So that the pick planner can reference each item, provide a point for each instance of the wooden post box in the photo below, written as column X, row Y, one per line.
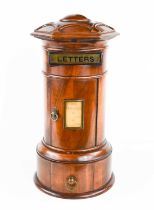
column 74, row 157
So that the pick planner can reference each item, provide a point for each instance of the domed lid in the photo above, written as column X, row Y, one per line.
column 75, row 27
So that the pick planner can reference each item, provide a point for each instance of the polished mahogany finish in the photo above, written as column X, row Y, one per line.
column 74, row 161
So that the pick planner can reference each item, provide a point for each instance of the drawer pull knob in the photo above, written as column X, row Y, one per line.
column 54, row 114
column 71, row 183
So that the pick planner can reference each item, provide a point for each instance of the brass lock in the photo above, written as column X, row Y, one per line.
column 71, row 183
column 54, row 114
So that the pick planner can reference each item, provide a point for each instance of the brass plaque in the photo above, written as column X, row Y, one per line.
column 73, row 110
column 75, row 58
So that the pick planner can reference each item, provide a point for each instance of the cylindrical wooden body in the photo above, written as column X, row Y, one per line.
column 83, row 82
column 74, row 158
column 82, row 153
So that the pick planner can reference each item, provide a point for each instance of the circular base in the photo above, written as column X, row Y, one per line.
column 99, row 191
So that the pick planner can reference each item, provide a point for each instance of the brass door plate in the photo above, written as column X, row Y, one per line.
column 74, row 58
column 73, row 113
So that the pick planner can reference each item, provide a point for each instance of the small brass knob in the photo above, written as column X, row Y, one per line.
column 71, row 183
column 54, row 114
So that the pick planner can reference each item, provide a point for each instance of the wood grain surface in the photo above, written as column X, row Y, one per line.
column 74, row 160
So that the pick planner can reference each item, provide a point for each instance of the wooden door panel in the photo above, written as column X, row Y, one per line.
column 73, row 89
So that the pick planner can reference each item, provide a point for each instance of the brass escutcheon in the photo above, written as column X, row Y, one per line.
column 54, row 114
column 71, row 183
